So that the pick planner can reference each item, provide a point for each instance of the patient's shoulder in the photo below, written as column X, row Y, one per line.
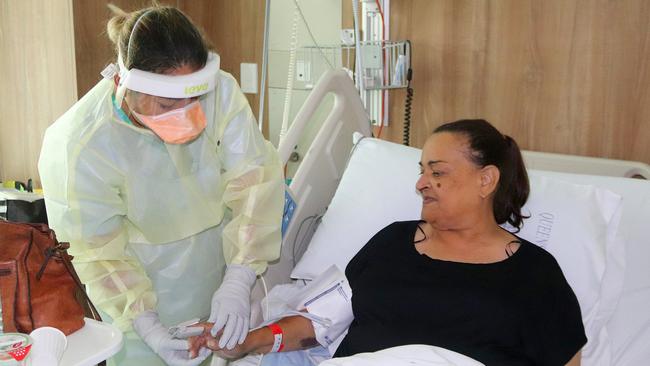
column 540, row 265
column 392, row 236
column 400, row 227
column 538, row 254
column 394, row 233
column 384, row 244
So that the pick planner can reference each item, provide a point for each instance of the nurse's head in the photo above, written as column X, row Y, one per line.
column 160, row 40
column 157, row 39
column 471, row 173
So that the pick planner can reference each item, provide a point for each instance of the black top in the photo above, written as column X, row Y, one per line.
column 519, row 311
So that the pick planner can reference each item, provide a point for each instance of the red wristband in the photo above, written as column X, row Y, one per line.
column 278, row 345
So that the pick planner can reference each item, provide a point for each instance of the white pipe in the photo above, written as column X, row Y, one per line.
column 386, row 10
column 290, row 73
column 358, row 68
column 265, row 62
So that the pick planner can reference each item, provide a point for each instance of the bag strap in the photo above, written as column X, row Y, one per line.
column 61, row 250
column 68, row 265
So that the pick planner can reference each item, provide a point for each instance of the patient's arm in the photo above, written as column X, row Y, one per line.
column 575, row 361
column 298, row 333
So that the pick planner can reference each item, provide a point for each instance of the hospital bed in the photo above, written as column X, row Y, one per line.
column 345, row 169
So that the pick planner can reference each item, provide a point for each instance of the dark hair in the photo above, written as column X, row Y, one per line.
column 163, row 39
column 489, row 147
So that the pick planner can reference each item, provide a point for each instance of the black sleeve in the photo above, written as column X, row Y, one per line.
column 358, row 262
column 560, row 332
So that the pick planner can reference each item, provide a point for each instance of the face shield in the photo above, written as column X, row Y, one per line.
column 169, row 105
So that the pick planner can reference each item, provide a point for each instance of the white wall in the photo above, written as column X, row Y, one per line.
column 324, row 19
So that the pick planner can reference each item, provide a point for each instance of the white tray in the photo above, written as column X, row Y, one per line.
column 93, row 343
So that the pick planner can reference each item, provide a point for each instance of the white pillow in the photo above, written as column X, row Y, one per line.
column 378, row 188
column 629, row 326
column 578, row 224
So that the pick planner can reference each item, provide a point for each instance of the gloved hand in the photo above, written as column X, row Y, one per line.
column 173, row 351
column 231, row 305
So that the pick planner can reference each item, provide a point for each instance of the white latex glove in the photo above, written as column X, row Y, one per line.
column 173, row 351
column 231, row 305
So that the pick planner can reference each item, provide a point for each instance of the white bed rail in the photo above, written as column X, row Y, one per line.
column 347, row 108
column 320, row 171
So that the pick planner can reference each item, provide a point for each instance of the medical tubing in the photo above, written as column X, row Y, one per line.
column 265, row 62
column 266, row 308
column 314, row 218
column 292, row 61
column 266, row 293
column 311, row 35
column 407, row 109
column 311, row 228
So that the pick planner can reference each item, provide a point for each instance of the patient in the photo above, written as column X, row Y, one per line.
column 454, row 279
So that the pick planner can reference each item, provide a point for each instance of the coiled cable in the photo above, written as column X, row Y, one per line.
column 407, row 108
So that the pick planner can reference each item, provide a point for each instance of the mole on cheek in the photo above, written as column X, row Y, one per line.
column 438, row 185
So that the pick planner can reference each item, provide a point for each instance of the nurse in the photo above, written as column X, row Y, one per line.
column 169, row 195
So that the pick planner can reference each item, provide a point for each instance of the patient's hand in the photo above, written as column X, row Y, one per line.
column 200, row 341
column 212, row 343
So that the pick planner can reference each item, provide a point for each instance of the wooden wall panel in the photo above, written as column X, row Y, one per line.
column 236, row 31
column 234, row 28
column 559, row 76
column 38, row 80
column 93, row 48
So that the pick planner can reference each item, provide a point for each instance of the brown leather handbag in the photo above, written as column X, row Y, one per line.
column 38, row 285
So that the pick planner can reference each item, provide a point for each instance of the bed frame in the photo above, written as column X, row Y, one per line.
column 319, row 174
column 317, row 178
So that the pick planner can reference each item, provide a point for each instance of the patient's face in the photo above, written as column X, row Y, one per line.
column 449, row 183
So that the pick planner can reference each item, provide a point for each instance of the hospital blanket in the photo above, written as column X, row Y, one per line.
column 279, row 303
column 409, row 355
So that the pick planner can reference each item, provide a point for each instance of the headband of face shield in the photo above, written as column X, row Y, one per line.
column 168, row 87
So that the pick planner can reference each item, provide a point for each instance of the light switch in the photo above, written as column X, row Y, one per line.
column 248, row 76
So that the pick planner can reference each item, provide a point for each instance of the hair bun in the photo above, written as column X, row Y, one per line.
column 115, row 25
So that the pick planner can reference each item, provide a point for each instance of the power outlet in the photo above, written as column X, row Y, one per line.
column 347, row 37
column 303, row 70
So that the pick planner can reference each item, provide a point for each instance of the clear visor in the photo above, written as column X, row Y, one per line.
column 153, row 105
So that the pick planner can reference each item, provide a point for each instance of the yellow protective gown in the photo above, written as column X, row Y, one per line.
column 152, row 225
